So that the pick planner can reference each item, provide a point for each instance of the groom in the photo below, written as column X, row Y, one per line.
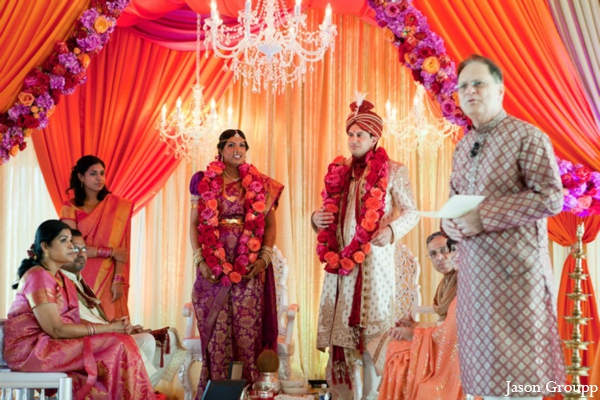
column 368, row 204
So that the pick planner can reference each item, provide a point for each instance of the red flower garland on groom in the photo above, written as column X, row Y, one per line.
column 371, row 210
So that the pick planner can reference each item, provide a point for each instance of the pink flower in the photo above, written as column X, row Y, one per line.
column 584, row 202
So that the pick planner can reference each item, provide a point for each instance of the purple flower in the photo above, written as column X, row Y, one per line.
column 225, row 281
column 570, row 202
column 57, row 82
column 244, row 239
column 578, row 190
column 90, row 43
column 595, row 177
column 70, row 61
column 17, row 110
column 43, row 118
column 208, row 195
column 392, row 10
column 88, row 18
column 44, row 101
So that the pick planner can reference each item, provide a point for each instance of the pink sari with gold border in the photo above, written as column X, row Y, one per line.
column 108, row 225
column 103, row 366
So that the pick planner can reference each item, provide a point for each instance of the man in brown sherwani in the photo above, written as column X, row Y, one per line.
column 508, row 335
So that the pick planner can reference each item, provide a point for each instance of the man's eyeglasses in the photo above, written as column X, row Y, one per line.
column 474, row 84
column 79, row 249
column 442, row 251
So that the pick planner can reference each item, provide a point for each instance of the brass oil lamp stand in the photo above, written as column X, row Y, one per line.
column 576, row 370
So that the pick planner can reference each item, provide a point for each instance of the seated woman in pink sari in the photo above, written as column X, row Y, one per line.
column 104, row 220
column 421, row 362
column 43, row 332
column 232, row 231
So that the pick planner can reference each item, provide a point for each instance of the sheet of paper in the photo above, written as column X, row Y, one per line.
column 455, row 207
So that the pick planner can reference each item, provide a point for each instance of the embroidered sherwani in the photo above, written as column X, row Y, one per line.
column 507, row 327
column 378, row 269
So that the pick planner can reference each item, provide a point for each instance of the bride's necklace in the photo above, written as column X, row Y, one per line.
column 232, row 179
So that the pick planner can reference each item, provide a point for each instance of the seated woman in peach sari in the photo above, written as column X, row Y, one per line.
column 421, row 362
column 43, row 332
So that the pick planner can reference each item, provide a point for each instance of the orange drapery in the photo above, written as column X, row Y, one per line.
column 28, row 32
column 542, row 85
column 113, row 116
column 562, row 230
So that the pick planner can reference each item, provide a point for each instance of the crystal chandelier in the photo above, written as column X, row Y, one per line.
column 269, row 46
column 189, row 134
column 420, row 130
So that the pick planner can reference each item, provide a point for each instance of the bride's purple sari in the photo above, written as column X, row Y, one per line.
column 237, row 322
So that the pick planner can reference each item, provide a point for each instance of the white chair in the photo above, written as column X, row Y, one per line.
column 22, row 384
column 286, row 317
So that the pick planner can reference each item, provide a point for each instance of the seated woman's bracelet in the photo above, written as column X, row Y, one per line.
column 91, row 329
column 104, row 252
column 119, row 278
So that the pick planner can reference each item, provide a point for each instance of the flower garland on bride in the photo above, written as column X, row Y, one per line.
column 371, row 210
column 246, row 252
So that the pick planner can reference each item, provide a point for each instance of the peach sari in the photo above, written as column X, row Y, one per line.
column 425, row 368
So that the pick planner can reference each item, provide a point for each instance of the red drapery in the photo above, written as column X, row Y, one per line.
column 562, row 230
column 113, row 116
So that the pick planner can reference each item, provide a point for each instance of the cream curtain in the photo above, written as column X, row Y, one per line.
column 579, row 27
column 25, row 205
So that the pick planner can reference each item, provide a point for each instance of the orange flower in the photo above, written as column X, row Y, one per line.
column 76, row 50
column 259, row 206
column 372, row 215
column 389, row 35
column 372, row 203
column 26, row 132
column 332, row 208
column 382, row 183
column 247, row 232
column 26, row 98
column 212, row 204
column 35, row 109
column 250, row 195
column 376, row 192
column 247, row 181
column 252, row 257
column 84, row 60
column 333, row 260
column 431, row 65
column 235, row 277
column 227, row 268
column 214, row 221
column 50, row 111
column 347, row 264
column 359, row 257
column 455, row 97
column 366, row 247
column 216, row 168
column 368, row 225
column 254, row 244
column 250, row 217
column 101, row 24
column 14, row 150
column 220, row 253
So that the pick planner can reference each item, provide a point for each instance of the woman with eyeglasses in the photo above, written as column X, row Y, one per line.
column 104, row 219
column 421, row 361
column 44, row 333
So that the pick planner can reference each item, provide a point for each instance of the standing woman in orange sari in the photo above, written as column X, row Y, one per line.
column 105, row 222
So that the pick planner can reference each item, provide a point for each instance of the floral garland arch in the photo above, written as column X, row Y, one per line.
column 60, row 74
column 423, row 51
